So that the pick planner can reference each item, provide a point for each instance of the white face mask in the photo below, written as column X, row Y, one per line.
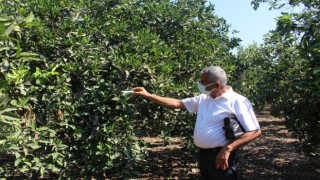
column 203, row 90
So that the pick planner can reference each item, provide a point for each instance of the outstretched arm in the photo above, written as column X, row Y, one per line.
column 165, row 101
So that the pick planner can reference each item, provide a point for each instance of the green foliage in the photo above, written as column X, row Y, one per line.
column 252, row 66
column 77, row 58
column 293, row 52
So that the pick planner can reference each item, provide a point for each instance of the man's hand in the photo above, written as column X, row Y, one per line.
column 222, row 158
column 141, row 91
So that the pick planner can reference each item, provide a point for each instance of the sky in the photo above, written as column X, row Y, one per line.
column 251, row 24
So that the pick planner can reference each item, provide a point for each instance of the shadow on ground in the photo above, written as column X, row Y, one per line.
column 272, row 156
column 168, row 162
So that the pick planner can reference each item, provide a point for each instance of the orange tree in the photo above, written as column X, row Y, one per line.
column 75, row 122
column 252, row 65
column 291, row 80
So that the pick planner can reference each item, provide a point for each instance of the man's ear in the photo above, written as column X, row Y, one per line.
column 213, row 86
column 217, row 85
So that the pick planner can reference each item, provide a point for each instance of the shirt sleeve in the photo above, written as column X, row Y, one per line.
column 245, row 114
column 191, row 104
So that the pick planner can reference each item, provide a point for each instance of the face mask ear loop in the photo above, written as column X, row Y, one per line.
column 203, row 90
column 205, row 87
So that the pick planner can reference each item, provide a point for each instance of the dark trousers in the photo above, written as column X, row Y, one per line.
column 207, row 165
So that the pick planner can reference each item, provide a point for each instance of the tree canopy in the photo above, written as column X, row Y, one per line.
column 65, row 65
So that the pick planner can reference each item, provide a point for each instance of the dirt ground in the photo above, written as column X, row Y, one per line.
column 271, row 157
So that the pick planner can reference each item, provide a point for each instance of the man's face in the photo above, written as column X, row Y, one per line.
column 204, row 80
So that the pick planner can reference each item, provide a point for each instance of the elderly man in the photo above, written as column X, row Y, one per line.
column 217, row 155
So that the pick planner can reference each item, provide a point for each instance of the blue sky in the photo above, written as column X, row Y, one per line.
column 251, row 24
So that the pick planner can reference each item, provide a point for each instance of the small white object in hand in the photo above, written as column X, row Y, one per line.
column 127, row 92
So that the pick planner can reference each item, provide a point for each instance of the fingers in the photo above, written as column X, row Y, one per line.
column 222, row 160
column 140, row 91
column 136, row 89
column 223, row 164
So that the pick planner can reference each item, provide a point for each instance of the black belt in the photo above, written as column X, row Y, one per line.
column 208, row 150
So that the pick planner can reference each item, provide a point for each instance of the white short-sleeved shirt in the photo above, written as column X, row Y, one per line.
column 208, row 131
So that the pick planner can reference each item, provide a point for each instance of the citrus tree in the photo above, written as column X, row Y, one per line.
column 80, row 56
column 293, row 48
column 252, row 70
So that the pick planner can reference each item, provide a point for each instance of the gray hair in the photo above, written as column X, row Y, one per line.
column 216, row 74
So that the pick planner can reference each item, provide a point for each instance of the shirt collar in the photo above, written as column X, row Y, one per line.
column 227, row 95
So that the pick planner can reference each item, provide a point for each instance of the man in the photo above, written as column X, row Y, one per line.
column 217, row 155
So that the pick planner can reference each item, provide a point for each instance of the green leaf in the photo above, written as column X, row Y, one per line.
column 4, row 48
column 12, row 123
column 16, row 148
column 33, row 24
column 42, row 129
column 36, row 160
column 2, row 19
column 28, row 54
column 15, row 135
column 55, row 168
column 34, row 145
column 24, row 59
column 2, row 142
column 17, row 154
column 32, row 125
column 55, row 155
column 44, row 141
column 52, row 132
column 16, row 28
column 29, row 18
column 63, row 124
column 17, row 162
column 25, row 150
column 116, row 99
column 42, row 170
column 9, row 116
column 3, row 84
column 2, row 29
column 8, row 30
column 23, row 101
column 28, row 164
column 62, row 146
column 24, row 169
column 316, row 71
column 7, row 110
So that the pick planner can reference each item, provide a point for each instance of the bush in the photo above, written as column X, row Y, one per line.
column 84, row 53
column 292, row 78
